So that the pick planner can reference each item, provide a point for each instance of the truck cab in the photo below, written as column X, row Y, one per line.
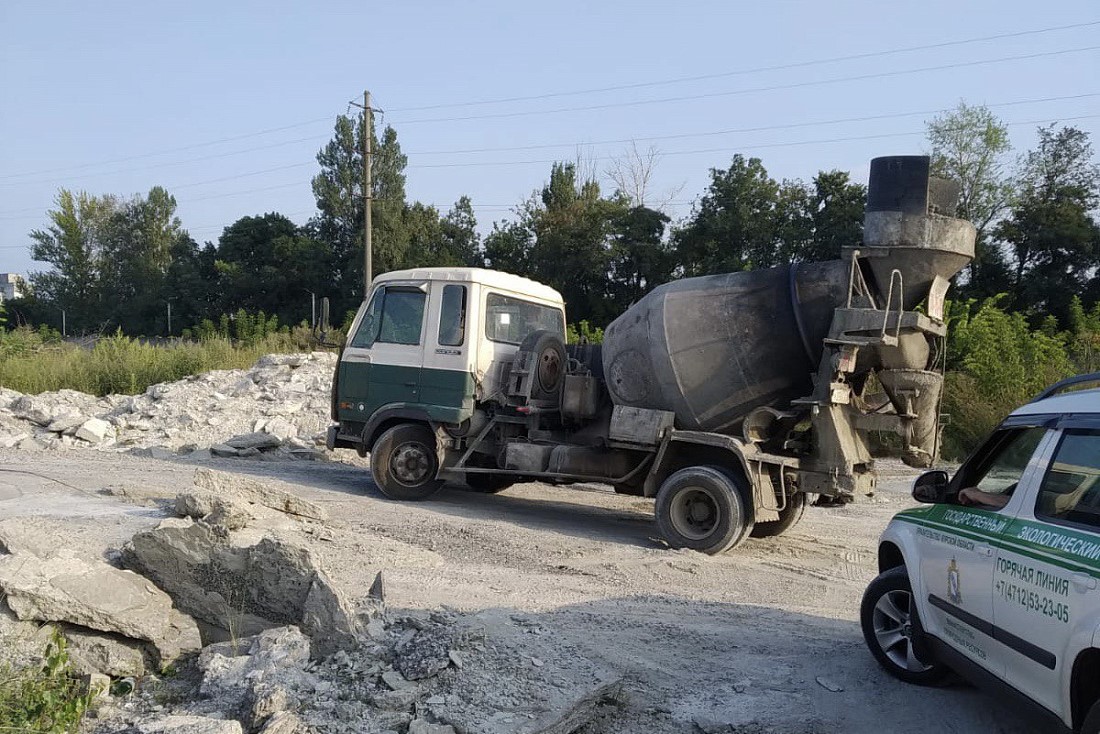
column 429, row 344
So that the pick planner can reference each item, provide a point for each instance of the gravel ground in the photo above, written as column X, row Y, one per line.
column 762, row 639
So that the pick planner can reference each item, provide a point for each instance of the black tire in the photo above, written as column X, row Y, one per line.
column 549, row 365
column 703, row 508
column 788, row 518
column 403, row 463
column 1091, row 724
column 489, row 483
column 886, row 616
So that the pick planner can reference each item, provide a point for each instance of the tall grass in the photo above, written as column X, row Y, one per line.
column 121, row 365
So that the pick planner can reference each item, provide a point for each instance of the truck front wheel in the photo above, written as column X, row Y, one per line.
column 702, row 508
column 403, row 463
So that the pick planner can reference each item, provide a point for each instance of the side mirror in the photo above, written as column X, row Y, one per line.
column 931, row 487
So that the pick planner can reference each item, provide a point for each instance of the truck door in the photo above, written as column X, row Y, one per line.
column 447, row 379
column 958, row 553
column 382, row 361
column 1046, row 603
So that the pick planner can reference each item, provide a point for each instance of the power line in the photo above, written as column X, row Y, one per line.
column 751, row 70
column 738, row 147
column 727, row 131
column 543, row 146
column 749, row 90
column 552, row 95
column 193, row 146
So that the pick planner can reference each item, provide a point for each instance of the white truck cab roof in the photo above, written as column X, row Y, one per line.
column 490, row 278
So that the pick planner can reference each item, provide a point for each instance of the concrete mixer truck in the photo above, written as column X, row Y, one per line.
column 728, row 398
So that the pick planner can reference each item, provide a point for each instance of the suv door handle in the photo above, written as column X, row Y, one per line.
column 410, row 384
column 1083, row 582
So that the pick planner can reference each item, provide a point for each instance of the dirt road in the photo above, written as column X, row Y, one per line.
column 762, row 639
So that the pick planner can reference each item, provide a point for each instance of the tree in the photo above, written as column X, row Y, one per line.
column 632, row 174
column 338, row 189
column 72, row 245
column 461, row 244
column 836, row 211
column 640, row 258
column 970, row 145
column 267, row 263
column 734, row 225
column 136, row 252
column 1051, row 231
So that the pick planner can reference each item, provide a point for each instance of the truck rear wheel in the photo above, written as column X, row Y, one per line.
column 788, row 518
column 403, row 463
column 702, row 508
column 489, row 483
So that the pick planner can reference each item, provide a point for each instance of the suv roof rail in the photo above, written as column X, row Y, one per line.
column 1063, row 385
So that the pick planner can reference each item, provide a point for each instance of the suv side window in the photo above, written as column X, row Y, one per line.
column 998, row 469
column 1070, row 491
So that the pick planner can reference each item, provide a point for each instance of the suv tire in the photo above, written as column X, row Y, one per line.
column 886, row 615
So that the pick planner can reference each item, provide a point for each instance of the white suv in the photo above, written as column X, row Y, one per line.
column 996, row 578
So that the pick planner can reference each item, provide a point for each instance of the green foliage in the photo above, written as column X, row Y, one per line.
column 748, row 220
column 119, row 364
column 46, row 700
column 582, row 330
column 997, row 363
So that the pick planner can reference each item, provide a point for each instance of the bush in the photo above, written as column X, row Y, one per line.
column 574, row 333
column 46, row 700
column 121, row 365
column 997, row 362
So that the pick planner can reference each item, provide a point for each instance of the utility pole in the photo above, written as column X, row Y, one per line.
column 63, row 323
column 368, row 198
column 169, row 318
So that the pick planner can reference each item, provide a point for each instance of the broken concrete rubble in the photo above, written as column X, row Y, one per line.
column 266, row 493
column 190, row 725
column 201, row 410
column 243, row 590
column 105, row 653
column 93, row 430
column 99, row 597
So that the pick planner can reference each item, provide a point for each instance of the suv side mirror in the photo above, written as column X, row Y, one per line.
column 931, row 487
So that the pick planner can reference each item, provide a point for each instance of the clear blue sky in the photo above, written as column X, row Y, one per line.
column 88, row 90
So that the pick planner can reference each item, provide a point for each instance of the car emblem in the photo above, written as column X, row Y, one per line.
column 954, row 590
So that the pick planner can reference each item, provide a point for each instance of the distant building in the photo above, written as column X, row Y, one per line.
column 11, row 286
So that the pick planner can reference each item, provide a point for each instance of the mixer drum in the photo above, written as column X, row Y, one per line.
column 711, row 349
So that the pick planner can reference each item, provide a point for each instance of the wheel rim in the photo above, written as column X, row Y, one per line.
column 411, row 464
column 893, row 630
column 549, row 370
column 694, row 513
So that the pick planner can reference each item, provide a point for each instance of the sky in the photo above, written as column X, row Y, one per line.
column 226, row 104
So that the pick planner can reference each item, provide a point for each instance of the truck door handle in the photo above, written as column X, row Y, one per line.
column 410, row 384
column 1083, row 582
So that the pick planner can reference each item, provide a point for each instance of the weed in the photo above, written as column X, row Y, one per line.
column 46, row 700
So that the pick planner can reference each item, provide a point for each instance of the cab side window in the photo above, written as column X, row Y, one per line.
column 452, row 316
column 368, row 327
column 998, row 469
column 394, row 316
column 1070, row 491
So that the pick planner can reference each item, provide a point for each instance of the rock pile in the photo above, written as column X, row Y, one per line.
column 278, row 407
